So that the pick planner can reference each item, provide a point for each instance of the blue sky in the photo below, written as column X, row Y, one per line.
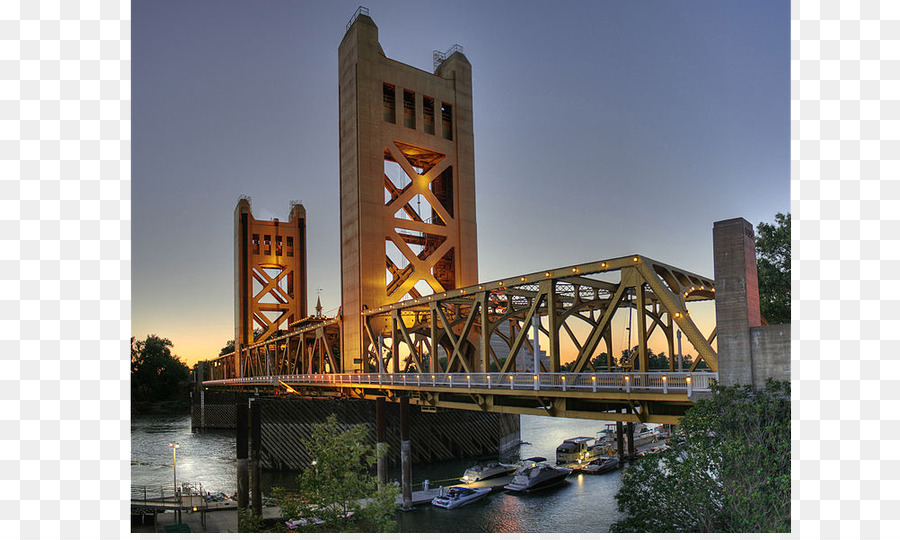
column 601, row 129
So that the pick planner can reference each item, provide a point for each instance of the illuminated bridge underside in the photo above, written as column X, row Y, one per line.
column 453, row 335
column 648, row 397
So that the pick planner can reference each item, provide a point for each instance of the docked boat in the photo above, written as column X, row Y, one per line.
column 579, row 450
column 489, row 470
column 459, row 496
column 537, row 476
column 642, row 434
column 601, row 466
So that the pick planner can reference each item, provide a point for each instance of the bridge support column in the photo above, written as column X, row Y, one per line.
column 405, row 454
column 243, row 471
column 620, row 443
column 381, row 445
column 255, row 444
column 630, row 431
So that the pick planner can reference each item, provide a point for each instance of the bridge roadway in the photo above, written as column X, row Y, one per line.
column 659, row 397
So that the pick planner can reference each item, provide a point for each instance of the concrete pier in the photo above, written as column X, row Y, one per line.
column 381, row 445
column 620, row 442
column 629, row 431
column 405, row 454
column 255, row 447
column 243, row 470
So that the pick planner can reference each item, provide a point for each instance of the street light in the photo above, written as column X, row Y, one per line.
column 174, row 446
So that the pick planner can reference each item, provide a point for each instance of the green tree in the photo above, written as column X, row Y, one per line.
column 156, row 374
column 228, row 348
column 339, row 484
column 773, row 263
column 732, row 472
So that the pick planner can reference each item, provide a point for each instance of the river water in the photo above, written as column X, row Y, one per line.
column 585, row 503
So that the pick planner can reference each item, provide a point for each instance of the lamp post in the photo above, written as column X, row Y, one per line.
column 174, row 446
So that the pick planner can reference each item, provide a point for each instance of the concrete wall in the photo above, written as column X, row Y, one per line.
column 435, row 437
column 770, row 348
column 286, row 423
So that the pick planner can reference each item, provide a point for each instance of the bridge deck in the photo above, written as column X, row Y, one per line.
column 644, row 396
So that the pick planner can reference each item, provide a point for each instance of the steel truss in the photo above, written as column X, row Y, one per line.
column 464, row 324
column 311, row 349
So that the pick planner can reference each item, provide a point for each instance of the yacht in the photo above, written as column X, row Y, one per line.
column 459, row 496
column 537, row 476
column 578, row 450
column 490, row 470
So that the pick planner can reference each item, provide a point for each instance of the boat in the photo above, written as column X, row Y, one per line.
column 489, row 470
column 578, row 450
column 601, row 466
column 642, row 434
column 459, row 496
column 537, row 476
column 526, row 464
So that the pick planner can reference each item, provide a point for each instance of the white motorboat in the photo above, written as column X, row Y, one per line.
column 489, row 470
column 601, row 466
column 459, row 496
column 537, row 476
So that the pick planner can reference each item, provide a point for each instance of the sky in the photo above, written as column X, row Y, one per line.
column 602, row 129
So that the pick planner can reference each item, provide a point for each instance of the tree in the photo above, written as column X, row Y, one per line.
column 338, row 482
column 156, row 374
column 228, row 348
column 731, row 473
column 773, row 266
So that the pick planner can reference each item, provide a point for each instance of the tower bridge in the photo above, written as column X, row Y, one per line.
column 416, row 327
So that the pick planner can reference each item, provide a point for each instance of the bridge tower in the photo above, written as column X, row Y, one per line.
column 407, row 179
column 269, row 274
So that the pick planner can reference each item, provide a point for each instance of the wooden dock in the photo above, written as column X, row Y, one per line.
column 425, row 496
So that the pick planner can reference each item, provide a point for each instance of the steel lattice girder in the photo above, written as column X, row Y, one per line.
column 456, row 319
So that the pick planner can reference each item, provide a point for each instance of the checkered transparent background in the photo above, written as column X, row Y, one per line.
column 65, row 269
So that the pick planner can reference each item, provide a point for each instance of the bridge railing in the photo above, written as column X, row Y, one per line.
column 658, row 381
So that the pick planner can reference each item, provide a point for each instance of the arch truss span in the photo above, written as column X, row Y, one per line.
column 578, row 313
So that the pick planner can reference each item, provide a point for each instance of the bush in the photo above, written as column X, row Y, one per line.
column 732, row 472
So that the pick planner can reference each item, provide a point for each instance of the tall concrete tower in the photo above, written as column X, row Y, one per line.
column 407, row 179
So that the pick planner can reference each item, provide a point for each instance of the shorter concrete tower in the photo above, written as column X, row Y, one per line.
column 737, row 298
column 269, row 274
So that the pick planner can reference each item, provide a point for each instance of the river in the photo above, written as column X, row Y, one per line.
column 584, row 504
